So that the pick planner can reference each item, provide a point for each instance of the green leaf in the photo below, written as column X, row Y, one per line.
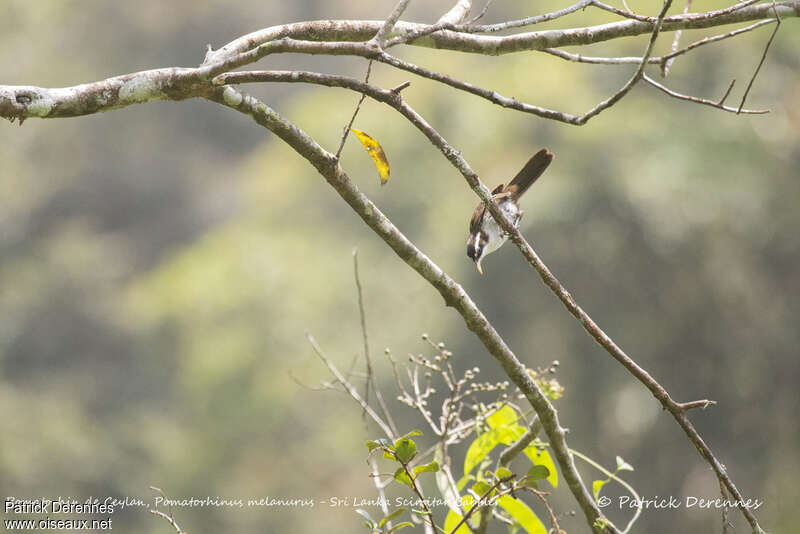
column 522, row 513
column 412, row 433
column 622, row 465
column 370, row 523
column 542, row 457
column 478, row 450
column 405, row 449
column 373, row 444
column 401, row 476
column 391, row 516
column 597, row 485
column 601, row 523
column 505, row 416
column 431, row 467
column 537, row 472
column 481, row 488
column 503, row 472
column 509, row 434
column 452, row 520
column 401, row 525
column 487, row 441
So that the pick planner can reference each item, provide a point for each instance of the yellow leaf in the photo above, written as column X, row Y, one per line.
column 376, row 153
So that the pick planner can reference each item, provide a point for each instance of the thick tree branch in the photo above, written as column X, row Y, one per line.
column 349, row 38
column 23, row 101
column 354, row 30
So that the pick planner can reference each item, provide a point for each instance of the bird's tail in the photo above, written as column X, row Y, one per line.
column 529, row 173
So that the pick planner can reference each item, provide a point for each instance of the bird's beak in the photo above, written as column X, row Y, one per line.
column 478, row 266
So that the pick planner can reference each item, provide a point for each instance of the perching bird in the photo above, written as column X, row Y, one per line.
column 485, row 235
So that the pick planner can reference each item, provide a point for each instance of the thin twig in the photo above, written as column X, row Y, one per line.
column 553, row 520
column 715, row 39
column 617, row 479
column 349, row 125
column 763, row 57
column 725, row 520
column 627, row 13
column 480, row 15
column 705, row 102
column 675, row 42
column 480, row 503
column 527, row 21
column 579, row 58
column 379, row 487
column 616, row 97
column 370, row 380
column 350, row 389
column 169, row 517
column 727, row 92
column 691, row 405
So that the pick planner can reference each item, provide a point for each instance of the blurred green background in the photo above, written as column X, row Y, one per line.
column 160, row 265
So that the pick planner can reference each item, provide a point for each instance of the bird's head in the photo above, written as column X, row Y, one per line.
column 476, row 248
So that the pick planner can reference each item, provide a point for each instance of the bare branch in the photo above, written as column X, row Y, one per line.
column 479, row 503
column 727, row 92
column 511, row 452
column 170, row 519
column 349, row 387
column 386, row 29
column 553, row 520
column 457, row 13
column 480, row 15
column 703, row 404
column 616, row 97
column 346, row 131
column 579, row 58
column 627, row 13
column 527, row 21
column 665, row 66
column 354, row 30
column 20, row 102
column 716, row 38
column 763, row 57
column 370, row 380
column 718, row 105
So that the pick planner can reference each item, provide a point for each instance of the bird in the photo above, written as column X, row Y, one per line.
column 485, row 234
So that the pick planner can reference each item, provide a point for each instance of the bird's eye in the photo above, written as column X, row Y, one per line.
column 470, row 250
